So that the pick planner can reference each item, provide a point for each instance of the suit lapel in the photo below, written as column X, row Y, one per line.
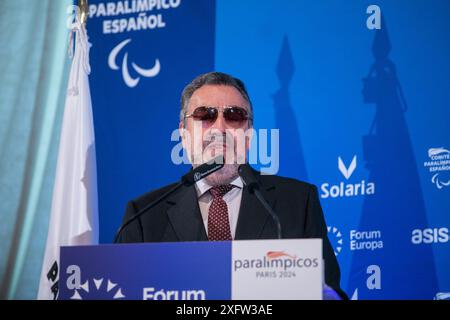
column 186, row 220
column 185, row 217
column 253, row 217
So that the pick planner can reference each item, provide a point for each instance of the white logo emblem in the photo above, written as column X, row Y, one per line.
column 439, row 162
column 347, row 172
column 74, row 283
column 347, row 188
column 355, row 295
column 337, row 235
column 197, row 176
column 127, row 78
column 116, row 294
column 442, row 296
column 439, row 184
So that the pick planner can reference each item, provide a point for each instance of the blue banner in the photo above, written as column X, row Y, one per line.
column 360, row 95
column 165, row 271
column 143, row 54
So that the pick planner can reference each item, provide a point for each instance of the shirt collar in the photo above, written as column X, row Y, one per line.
column 202, row 186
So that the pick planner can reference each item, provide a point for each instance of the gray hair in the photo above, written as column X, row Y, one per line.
column 213, row 78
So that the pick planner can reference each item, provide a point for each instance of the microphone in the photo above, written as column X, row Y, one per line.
column 188, row 179
column 203, row 170
column 249, row 179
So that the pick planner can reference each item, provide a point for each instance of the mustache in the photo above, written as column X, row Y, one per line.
column 217, row 140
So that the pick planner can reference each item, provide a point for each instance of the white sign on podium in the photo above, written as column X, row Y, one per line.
column 277, row 269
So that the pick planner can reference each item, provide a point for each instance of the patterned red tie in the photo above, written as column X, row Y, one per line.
column 218, row 222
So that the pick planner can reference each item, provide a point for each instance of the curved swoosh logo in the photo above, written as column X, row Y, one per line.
column 442, row 296
column 127, row 78
column 437, row 151
column 439, row 184
column 152, row 72
column 279, row 254
column 114, row 52
column 126, row 75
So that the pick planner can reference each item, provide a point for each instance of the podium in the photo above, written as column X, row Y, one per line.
column 230, row 270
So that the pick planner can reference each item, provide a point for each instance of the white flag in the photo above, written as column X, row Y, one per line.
column 74, row 215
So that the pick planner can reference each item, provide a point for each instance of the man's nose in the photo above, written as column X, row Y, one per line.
column 220, row 123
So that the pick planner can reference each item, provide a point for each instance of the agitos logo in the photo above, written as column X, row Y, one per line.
column 276, row 260
column 127, row 78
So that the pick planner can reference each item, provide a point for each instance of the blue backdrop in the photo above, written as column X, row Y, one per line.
column 363, row 114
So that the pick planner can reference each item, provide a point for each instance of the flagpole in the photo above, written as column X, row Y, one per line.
column 83, row 11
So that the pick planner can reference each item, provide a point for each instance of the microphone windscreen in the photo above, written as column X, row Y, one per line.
column 203, row 170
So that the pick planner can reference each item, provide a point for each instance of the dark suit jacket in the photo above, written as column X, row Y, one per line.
column 178, row 218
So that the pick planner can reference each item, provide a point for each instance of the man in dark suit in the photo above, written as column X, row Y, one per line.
column 215, row 109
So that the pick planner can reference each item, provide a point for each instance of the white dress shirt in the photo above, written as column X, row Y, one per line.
column 232, row 199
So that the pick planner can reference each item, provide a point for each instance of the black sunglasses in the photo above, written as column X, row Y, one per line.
column 232, row 114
